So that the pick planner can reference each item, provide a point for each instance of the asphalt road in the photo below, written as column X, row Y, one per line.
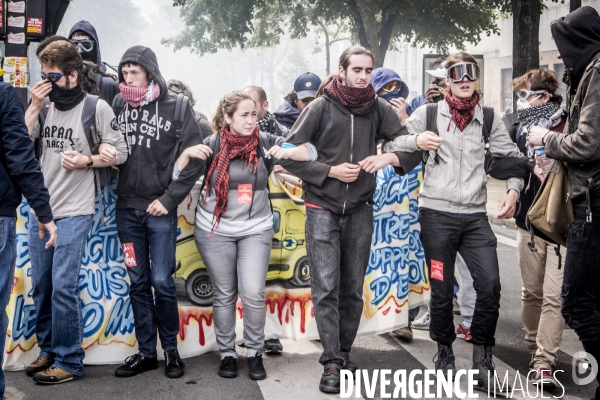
column 295, row 374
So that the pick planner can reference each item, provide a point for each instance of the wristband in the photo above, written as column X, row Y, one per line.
column 287, row 145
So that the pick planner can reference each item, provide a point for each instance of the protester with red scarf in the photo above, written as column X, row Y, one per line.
column 148, row 196
column 345, row 125
column 452, row 208
column 234, row 226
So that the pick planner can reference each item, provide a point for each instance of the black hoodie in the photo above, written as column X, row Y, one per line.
column 150, row 131
column 577, row 37
column 88, row 29
column 107, row 86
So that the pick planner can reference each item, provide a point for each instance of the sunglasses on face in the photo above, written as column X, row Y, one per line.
column 307, row 100
column 391, row 86
column 524, row 94
column 83, row 44
column 456, row 73
column 52, row 76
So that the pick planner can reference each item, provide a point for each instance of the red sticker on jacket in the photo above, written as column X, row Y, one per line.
column 129, row 255
column 437, row 270
column 245, row 193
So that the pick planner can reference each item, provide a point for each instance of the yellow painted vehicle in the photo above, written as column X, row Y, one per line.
column 288, row 260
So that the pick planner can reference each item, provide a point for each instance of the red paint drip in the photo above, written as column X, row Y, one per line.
column 200, row 316
column 279, row 301
column 387, row 310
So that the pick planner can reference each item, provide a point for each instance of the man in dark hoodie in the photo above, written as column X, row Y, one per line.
column 83, row 35
column 147, row 204
column 577, row 38
column 19, row 173
column 338, row 194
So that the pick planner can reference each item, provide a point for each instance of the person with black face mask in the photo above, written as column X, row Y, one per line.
column 84, row 37
column 67, row 162
column 577, row 37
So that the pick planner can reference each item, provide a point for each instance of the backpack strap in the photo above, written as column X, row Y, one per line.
column 88, row 119
column 325, row 118
column 431, row 125
column 488, row 123
column 181, row 107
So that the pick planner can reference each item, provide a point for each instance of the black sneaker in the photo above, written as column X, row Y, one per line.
column 256, row 369
column 174, row 367
column 273, row 346
column 136, row 364
column 228, row 367
column 330, row 380
column 348, row 364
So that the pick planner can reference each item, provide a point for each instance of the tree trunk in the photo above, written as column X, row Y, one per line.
column 526, row 36
column 327, row 46
column 368, row 14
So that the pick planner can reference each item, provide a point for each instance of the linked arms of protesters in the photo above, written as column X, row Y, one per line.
column 313, row 172
column 412, row 144
column 178, row 189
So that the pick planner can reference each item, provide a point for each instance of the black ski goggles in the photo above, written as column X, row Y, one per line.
column 457, row 72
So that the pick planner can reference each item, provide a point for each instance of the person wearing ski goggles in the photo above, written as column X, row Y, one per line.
column 453, row 138
column 457, row 72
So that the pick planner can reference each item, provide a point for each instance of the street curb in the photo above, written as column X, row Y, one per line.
column 508, row 223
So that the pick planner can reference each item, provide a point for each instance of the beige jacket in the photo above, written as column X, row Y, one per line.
column 457, row 184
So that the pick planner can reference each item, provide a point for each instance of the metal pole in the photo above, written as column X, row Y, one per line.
column 574, row 5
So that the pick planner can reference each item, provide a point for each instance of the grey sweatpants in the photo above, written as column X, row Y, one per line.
column 468, row 297
column 237, row 265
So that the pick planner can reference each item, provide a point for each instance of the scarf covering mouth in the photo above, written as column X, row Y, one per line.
column 232, row 145
column 543, row 115
column 461, row 110
column 263, row 124
column 139, row 96
column 358, row 101
column 66, row 99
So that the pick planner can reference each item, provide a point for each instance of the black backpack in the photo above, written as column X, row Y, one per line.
column 488, row 122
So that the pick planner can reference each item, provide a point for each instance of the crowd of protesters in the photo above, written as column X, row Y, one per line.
column 82, row 122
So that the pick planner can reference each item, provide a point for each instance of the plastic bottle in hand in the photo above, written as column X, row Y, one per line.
column 545, row 162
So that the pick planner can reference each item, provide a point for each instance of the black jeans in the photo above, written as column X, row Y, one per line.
column 338, row 248
column 442, row 236
column 581, row 282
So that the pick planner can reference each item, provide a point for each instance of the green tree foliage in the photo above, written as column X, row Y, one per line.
column 375, row 24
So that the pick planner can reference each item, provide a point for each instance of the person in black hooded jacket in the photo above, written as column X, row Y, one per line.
column 147, row 203
column 83, row 35
column 577, row 38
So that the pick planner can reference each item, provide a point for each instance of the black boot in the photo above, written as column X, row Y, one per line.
column 136, row 364
column 482, row 361
column 444, row 359
column 174, row 367
column 330, row 380
column 256, row 369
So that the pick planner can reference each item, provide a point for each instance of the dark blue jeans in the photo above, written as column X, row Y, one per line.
column 8, row 257
column 442, row 236
column 338, row 248
column 153, row 240
column 581, row 280
column 55, row 280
